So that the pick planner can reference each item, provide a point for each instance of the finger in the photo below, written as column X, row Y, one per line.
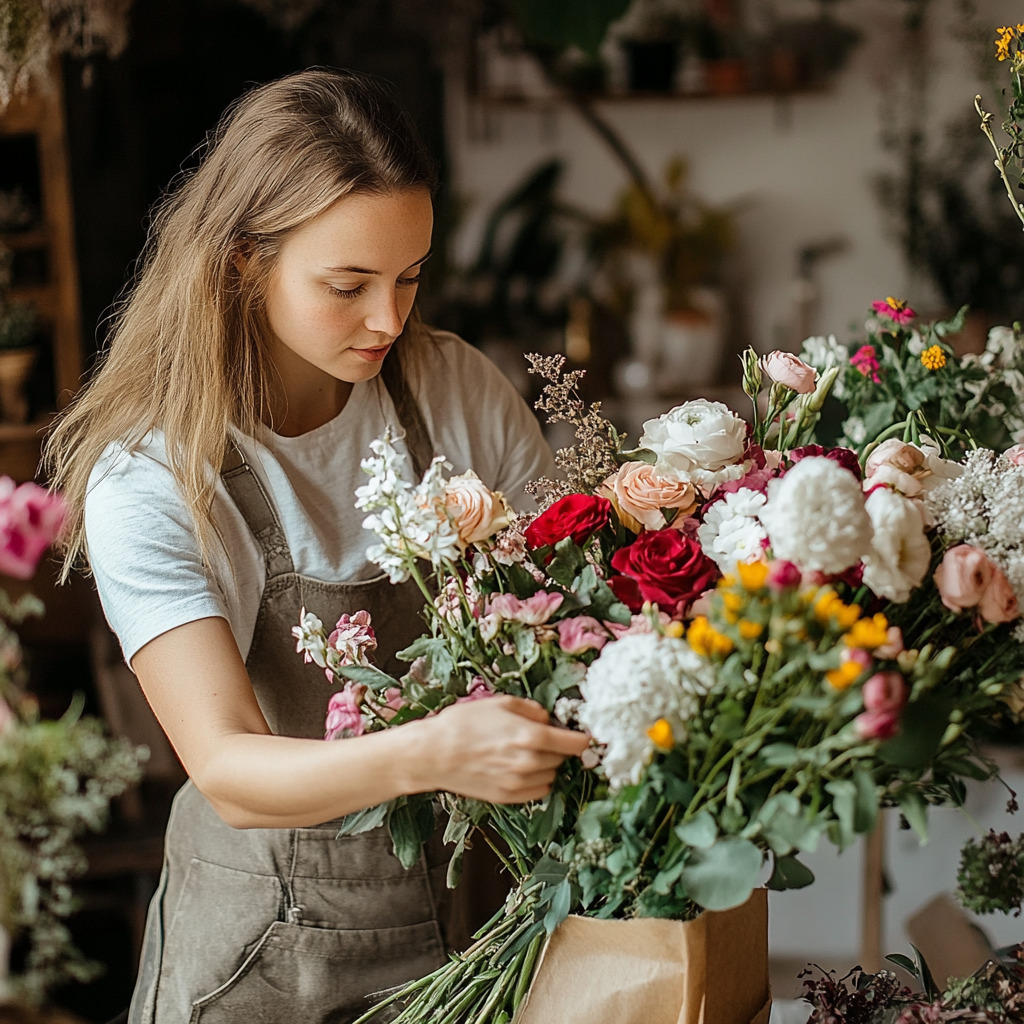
column 528, row 709
column 566, row 742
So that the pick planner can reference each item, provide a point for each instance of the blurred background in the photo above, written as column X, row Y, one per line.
column 646, row 187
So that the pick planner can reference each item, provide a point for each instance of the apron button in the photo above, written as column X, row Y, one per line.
column 295, row 915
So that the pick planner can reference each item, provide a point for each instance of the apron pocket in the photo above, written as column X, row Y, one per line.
column 320, row 975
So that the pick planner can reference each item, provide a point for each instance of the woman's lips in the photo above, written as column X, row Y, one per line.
column 372, row 355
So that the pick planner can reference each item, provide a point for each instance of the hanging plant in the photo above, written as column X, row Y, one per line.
column 34, row 32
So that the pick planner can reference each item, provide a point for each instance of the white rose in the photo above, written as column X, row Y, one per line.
column 475, row 510
column 815, row 517
column 900, row 553
column 700, row 441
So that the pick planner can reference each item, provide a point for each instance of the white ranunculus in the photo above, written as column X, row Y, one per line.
column 815, row 517
column 731, row 531
column 634, row 682
column 900, row 553
column 700, row 441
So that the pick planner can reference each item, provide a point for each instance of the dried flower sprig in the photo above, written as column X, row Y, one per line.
column 595, row 455
column 991, row 874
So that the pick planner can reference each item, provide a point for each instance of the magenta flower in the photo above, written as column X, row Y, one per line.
column 782, row 575
column 344, row 713
column 30, row 519
column 877, row 725
column 865, row 359
column 884, row 691
column 581, row 633
column 896, row 310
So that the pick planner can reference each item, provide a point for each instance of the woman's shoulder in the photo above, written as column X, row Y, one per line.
column 453, row 367
column 126, row 471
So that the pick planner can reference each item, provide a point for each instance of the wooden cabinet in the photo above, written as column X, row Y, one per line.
column 33, row 159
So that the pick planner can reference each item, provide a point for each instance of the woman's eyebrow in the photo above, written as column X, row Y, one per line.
column 364, row 270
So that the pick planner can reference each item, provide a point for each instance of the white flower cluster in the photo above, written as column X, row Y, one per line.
column 309, row 639
column 984, row 507
column 409, row 520
column 634, row 682
column 1003, row 358
column 823, row 353
column 731, row 531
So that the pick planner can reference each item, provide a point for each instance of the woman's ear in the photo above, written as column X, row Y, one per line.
column 242, row 253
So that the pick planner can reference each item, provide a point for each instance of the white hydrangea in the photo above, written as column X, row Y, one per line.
column 731, row 531
column 634, row 682
column 815, row 517
column 823, row 353
column 901, row 553
column 984, row 507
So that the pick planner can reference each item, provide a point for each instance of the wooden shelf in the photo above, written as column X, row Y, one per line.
column 18, row 241
column 32, row 431
column 646, row 96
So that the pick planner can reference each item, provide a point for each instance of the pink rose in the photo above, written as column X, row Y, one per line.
column 641, row 494
column 534, row 611
column 963, row 576
column 477, row 690
column 884, row 691
column 581, row 633
column 998, row 602
column 475, row 510
column 1015, row 455
column 344, row 713
column 877, row 725
column 897, row 464
column 787, row 369
column 30, row 519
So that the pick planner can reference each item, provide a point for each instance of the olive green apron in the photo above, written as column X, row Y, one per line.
column 264, row 926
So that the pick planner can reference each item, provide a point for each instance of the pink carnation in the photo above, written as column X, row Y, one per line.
column 581, row 633
column 344, row 713
column 30, row 519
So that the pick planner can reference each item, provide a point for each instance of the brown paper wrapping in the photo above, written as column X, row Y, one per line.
column 713, row 970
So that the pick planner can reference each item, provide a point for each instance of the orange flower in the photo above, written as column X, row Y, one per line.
column 661, row 735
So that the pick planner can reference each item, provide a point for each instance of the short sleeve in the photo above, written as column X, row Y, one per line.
column 143, row 551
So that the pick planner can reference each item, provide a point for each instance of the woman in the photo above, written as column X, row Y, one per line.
column 210, row 467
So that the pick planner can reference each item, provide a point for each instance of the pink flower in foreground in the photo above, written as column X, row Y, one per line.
column 1015, row 455
column 998, row 602
column 963, row 576
column 789, row 370
column 344, row 713
column 877, row 725
column 534, row 611
column 30, row 519
column 884, row 691
column 353, row 638
column 581, row 633
column 893, row 646
column 782, row 575
column 865, row 359
column 477, row 690
column 896, row 310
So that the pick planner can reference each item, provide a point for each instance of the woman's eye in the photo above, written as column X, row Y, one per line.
column 348, row 293
column 408, row 282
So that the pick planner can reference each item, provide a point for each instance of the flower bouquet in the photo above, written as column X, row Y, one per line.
column 57, row 778
column 764, row 647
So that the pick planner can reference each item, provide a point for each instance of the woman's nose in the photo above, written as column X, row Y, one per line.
column 386, row 317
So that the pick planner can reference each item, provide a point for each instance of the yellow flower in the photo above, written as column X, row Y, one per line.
column 750, row 630
column 753, row 575
column 706, row 640
column 933, row 358
column 840, row 678
column 661, row 735
column 868, row 633
column 674, row 629
column 829, row 606
column 732, row 601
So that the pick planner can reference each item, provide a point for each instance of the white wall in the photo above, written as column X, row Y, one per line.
column 802, row 167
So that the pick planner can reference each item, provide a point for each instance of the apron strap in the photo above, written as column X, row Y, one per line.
column 254, row 503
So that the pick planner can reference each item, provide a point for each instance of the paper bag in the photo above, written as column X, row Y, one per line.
column 713, row 970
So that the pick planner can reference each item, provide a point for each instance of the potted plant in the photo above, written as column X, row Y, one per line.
column 650, row 36
column 18, row 324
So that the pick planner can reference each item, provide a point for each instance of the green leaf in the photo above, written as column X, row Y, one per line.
column 844, row 797
column 567, row 562
column 724, row 875
column 915, row 810
column 558, row 908
column 439, row 663
column 545, row 823
column 363, row 821
column 411, row 825
column 700, row 831
column 368, row 675
column 789, row 873
column 865, row 809
column 777, row 755
column 921, row 727
column 785, row 825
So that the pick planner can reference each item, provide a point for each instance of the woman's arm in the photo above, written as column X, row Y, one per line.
column 500, row 749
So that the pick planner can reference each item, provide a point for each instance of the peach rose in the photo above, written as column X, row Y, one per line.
column 789, row 370
column 963, row 576
column 1015, row 455
column 476, row 511
column 998, row 603
column 898, row 464
column 640, row 493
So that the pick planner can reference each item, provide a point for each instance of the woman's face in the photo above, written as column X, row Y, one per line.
column 343, row 287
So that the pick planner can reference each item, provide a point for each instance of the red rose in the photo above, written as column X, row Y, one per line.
column 576, row 515
column 668, row 568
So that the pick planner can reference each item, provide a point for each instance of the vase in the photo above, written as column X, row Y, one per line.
column 15, row 367
column 691, row 343
column 712, row 970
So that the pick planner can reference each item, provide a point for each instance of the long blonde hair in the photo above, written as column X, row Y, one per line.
column 187, row 350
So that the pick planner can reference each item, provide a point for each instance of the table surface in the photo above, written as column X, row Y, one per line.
column 790, row 1011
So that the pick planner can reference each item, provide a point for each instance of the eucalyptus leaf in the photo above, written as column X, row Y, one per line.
column 790, row 873
column 558, row 908
column 724, row 875
column 915, row 810
column 700, row 831
column 363, row 821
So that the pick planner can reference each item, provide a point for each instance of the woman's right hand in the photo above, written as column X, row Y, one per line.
column 499, row 749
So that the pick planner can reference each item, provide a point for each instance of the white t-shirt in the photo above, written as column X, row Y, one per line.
column 142, row 543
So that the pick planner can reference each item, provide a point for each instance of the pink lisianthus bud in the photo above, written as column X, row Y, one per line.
column 998, row 602
column 877, row 725
column 353, row 638
column 783, row 575
column 534, row 611
column 963, row 576
column 344, row 713
column 789, row 370
column 581, row 633
column 478, row 689
column 1015, row 455
column 884, row 691
column 30, row 519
